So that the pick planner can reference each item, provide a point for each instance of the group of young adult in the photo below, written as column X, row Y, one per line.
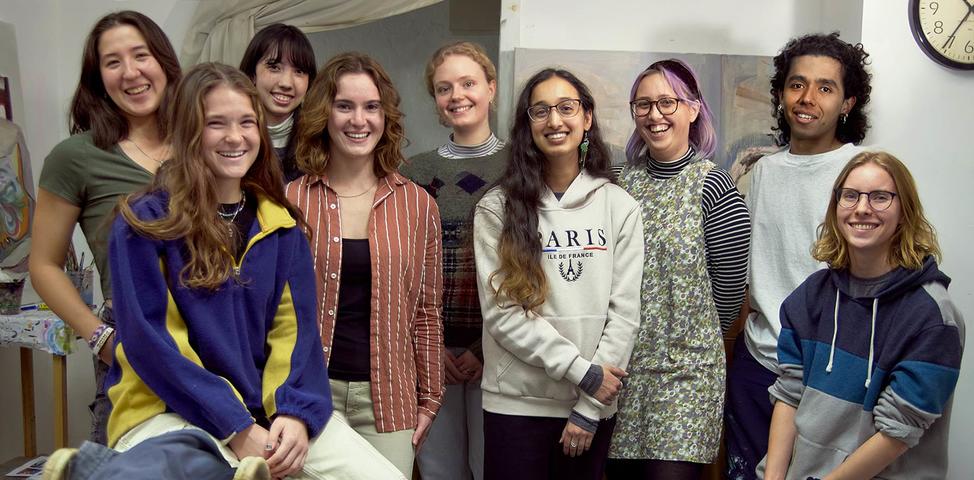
column 287, row 296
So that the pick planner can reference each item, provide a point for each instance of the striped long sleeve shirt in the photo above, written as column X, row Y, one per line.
column 406, row 332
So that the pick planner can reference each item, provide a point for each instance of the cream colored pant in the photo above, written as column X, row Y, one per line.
column 337, row 453
column 353, row 403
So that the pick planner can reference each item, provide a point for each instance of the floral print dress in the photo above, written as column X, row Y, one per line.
column 672, row 405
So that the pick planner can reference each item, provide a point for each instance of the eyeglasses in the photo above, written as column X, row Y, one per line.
column 566, row 109
column 879, row 200
column 642, row 106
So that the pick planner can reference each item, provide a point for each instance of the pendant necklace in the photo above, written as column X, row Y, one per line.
column 146, row 155
column 229, row 217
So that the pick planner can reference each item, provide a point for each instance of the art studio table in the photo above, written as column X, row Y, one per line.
column 40, row 330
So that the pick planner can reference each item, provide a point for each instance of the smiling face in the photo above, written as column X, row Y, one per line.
column 132, row 76
column 231, row 137
column 356, row 122
column 667, row 136
column 868, row 233
column 557, row 137
column 281, row 87
column 463, row 94
column 812, row 100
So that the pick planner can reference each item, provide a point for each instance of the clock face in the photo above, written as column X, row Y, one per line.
column 944, row 29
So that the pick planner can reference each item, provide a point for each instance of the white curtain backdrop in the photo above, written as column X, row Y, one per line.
column 221, row 29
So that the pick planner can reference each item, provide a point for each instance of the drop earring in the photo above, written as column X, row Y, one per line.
column 583, row 150
column 843, row 117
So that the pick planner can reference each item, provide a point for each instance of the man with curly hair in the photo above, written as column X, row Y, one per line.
column 819, row 90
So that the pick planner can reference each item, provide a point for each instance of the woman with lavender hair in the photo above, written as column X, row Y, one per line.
column 697, row 231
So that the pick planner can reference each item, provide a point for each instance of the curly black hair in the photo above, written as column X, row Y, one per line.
column 855, row 82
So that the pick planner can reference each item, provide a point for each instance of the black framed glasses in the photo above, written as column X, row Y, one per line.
column 879, row 200
column 566, row 109
column 666, row 106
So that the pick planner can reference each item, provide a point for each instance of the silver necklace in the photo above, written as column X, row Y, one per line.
column 367, row 190
column 230, row 217
column 146, row 155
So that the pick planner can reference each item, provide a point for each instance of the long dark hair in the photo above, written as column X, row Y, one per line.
column 855, row 82
column 524, row 282
column 279, row 42
column 92, row 109
column 189, row 181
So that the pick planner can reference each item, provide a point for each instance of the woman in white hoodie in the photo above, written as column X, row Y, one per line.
column 559, row 250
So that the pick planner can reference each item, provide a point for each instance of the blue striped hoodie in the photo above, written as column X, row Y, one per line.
column 220, row 359
column 856, row 366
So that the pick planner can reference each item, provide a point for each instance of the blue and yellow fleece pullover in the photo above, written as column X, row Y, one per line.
column 220, row 359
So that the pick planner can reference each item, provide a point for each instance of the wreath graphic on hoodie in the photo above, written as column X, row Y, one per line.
column 571, row 274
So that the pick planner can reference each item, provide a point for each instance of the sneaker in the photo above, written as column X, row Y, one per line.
column 250, row 468
column 56, row 466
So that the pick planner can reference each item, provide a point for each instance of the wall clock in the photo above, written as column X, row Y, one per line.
column 944, row 30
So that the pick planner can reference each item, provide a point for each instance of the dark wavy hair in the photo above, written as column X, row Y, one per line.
column 855, row 82
column 313, row 141
column 92, row 109
column 523, row 281
column 279, row 42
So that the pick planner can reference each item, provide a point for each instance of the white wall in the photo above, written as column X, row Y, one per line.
column 921, row 112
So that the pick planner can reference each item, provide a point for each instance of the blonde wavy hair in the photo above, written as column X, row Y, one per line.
column 914, row 239
column 189, row 182
column 313, row 141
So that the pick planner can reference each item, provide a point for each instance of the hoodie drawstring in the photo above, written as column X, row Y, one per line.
column 835, row 332
column 872, row 337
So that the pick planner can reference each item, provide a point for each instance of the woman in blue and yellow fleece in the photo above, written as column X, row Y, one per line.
column 870, row 348
column 215, row 299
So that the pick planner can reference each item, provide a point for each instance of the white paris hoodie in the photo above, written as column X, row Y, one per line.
column 592, row 253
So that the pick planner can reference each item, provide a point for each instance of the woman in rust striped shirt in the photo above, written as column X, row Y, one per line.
column 377, row 257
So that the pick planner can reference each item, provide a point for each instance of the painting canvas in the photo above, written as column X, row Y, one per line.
column 735, row 86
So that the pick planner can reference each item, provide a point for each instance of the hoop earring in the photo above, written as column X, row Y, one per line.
column 583, row 149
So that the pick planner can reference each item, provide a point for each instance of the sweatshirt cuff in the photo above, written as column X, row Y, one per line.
column 577, row 370
column 592, row 380
column 583, row 422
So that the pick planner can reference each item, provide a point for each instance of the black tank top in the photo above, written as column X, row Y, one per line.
column 350, row 348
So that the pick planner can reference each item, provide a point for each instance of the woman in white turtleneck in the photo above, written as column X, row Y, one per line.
column 281, row 63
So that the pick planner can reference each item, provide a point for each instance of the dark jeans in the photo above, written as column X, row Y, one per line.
column 748, row 414
column 101, row 407
column 520, row 447
column 183, row 454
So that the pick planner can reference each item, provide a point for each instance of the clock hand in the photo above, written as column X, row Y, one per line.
column 959, row 24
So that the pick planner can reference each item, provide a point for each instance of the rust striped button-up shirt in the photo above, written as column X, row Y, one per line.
column 406, row 332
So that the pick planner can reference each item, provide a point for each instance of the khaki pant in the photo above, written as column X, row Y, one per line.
column 352, row 402
column 338, row 453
